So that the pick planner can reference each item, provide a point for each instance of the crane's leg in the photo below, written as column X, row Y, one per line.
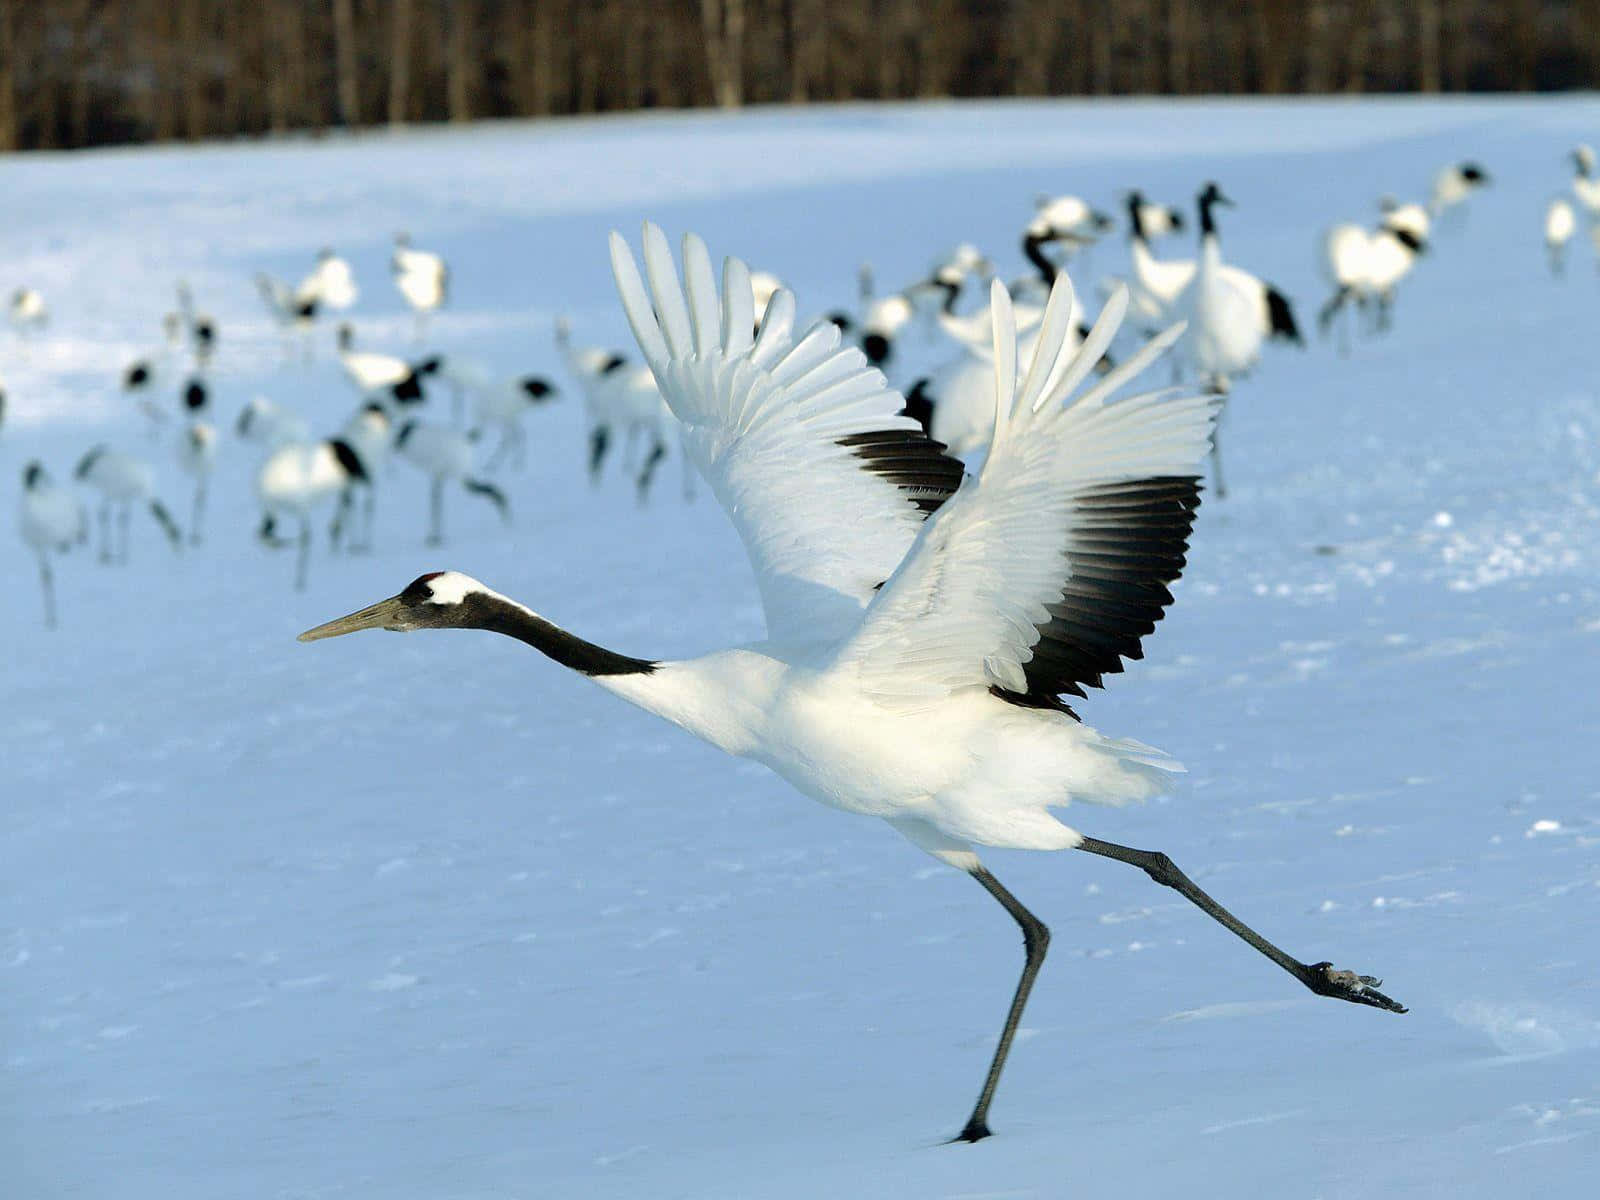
column 599, row 440
column 124, row 521
column 435, row 512
column 658, row 451
column 500, row 451
column 1320, row 977
column 105, row 531
column 1035, row 941
column 369, row 511
column 168, row 526
column 1330, row 311
column 341, row 512
column 489, row 492
column 49, row 583
column 199, row 511
column 1216, row 453
column 304, row 554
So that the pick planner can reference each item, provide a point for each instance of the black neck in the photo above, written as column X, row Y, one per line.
column 952, row 293
column 1208, row 224
column 1033, row 248
column 1135, row 220
column 501, row 616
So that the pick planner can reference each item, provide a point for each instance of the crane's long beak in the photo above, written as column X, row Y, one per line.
column 385, row 614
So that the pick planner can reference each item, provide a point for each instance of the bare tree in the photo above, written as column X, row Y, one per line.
column 1177, row 45
column 458, row 83
column 722, row 25
column 542, row 35
column 344, row 48
column 399, row 61
column 8, row 76
column 1362, row 20
column 1428, row 45
column 76, row 72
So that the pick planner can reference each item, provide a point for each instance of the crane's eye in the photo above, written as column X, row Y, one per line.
column 420, row 589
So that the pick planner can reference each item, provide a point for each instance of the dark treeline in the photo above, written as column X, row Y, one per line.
column 85, row 72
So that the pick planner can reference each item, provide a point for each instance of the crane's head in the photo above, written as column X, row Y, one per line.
column 1212, row 194
column 437, row 600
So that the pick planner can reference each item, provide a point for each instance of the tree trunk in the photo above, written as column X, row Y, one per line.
column 1523, row 17
column 722, row 27
column 1428, row 45
column 1318, row 49
column 8, row 76
column 798, row 33
column 457, row 84
column 544, row 63
column 1362, row 18
column 399, row 61
column 191, row 48
column 1178, row 46
column 344, row 49
column 1100, row 47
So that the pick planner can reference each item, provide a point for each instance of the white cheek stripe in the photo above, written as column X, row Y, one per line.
column 452, row 587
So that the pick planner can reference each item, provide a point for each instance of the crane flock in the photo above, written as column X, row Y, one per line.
column 949, row 548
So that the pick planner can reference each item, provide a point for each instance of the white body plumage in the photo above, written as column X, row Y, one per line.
column 1225, row 327
column 435, row 450
column 370, row 372
column 51, row 520
column 264, row 422
column 117, row 476
column 855, row 700
column 299, row 477
column 1068, row 221
column 420, row 276
column 28, row 312
column 51, row 517
column 331, row 283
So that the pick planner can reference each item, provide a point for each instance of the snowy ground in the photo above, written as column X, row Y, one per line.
column 425, row 917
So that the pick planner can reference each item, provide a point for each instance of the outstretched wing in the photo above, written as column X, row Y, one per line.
column 1045, row 572
column 802, row 442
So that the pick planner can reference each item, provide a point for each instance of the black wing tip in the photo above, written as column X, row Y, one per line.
column 910, row 460
column 1133, row 542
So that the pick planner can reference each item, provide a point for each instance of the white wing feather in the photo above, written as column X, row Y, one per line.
column 802, row 442
column 1061, row 484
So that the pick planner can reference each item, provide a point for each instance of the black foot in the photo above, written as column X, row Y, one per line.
column 975, row 1131
column 1324, row 980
